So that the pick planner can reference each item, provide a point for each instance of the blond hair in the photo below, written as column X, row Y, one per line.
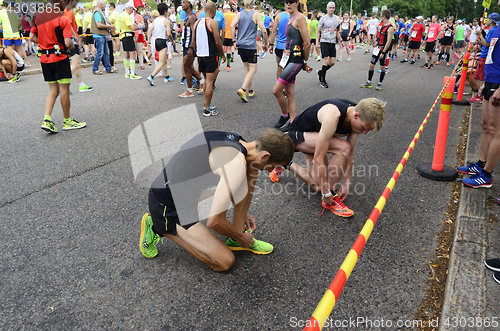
column 278, row 144
column 372, row 110
column 155, row 14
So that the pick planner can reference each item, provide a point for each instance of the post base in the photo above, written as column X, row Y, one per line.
column 461, row 103
column 448, row 174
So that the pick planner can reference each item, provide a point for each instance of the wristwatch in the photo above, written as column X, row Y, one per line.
column 329, row 194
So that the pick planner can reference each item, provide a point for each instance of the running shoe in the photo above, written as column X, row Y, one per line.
column 186, row 94
column 210, row 112
column 323, row 84
column 149, row 239
column 229, row 69
column 339, row 60
column 379, row 87
column 282, row 121
column 214, row 87
column 85, row 88
column 478, row 180
column 418, row 57
column 404, row 61
column 258, row 247
column 134, row 76
column 71, row 124
column 197, row 87
column 242, row 94
column 437, row 63
column 431, row 67
column 413, row 61
column 448, row 64
column 27, row 65
column 183, row 81
column 285, row 129
column 425, row 66
column 49, row 126
column 149, row 63
column 276, row 173
column 338, row 208
column 366, row 85
column 251, row 93
column 318, row 58
column 366, row 52
column 348, row 59
column 452, row 65
column 470, row 169
column 493, row 264
column 127, row 76
column 142, row 67
column 168, row 79
column 13, row 80
column 150, row 79
column 386, row 71
column 476, row 99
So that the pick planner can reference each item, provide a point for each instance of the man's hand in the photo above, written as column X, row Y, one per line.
column 344, row 191
column 250, row 223
column 223, row 58
column 247, row 240
column 495, row 98
column 264, row 49
column 480, row 91
column 9, row 75
column 328, row 201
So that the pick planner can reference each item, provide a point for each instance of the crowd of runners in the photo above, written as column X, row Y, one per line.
column 223, row 164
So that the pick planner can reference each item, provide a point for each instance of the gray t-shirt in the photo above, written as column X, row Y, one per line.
column 329, row 26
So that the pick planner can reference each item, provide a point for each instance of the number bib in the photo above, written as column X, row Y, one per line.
column 376, row 51
column 447, row 33
column 489, row 58
column 414, row 34
column 284, row 58
column 431, row 34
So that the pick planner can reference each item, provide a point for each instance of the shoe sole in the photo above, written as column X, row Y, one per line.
column 339, row 214
column 491, row 268
column 274, row 180
column 478, row 186
column 74, row 127
column 135, row 78
column 46, row 128
column 143, row 230
column 150, row 82
column 89, row 90
column 186, row 96
column 467, row 172
column 496, row 277
column 242, row 97
column 248, row 249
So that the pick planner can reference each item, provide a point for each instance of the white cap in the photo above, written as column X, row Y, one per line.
column 420, row 17
column 331, row 3
column 459, row 21
column 226, row 6
column 179, row 9
column 130, row 4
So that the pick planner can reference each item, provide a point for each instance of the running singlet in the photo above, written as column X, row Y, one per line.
column 280, row 33
column 294, row 42
column 189, row 169
column 382, row 35
column 345, row 28
column 205, row 41
column 449, row 31
column 460, row 33
column 308, row 120
column 313, row 27
column 186, row 38
column 247, row 30
column 228, row 17
column 492, row 64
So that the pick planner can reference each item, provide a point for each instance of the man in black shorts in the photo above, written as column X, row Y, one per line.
column 316, row 133
column 380, row 52
column 187, row 50
column 228, row 41
column 207, row 46
column 215, row 163
column 55, row 62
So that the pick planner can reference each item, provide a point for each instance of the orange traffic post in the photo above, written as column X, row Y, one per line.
column 437, row 170
column 463, row 78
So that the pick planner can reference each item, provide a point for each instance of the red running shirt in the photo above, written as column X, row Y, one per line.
column 418, row 30
column 51, row 29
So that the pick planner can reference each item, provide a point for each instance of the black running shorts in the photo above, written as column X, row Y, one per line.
column 414, row 44
column 55, row 71
column 227, row 42
column 160, row 44
column 248, row 55
column 328, row 50
column 128, row 44
column 208, row 64
column 489, row 89
column 430, row 47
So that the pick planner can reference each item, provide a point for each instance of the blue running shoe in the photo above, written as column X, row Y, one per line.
column 470, row 169
column 183, row 81
column 478, row 180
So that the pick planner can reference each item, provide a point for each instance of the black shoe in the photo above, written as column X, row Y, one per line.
column 214, row 87
column 493, row 264
column 285, row 128
column 425, row 66
column 413, row 62
column 419, row 56
column 324, row 84
column 496, row 277
column 404, row 61
column 282, row 121
column 431, row 66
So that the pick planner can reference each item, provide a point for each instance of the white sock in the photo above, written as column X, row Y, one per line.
column 81, row 84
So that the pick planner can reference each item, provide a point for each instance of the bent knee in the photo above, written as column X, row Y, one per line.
column 225, row 264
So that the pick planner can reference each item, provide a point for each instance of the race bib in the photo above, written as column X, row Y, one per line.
column 431, row 34
column 284, row 58
column 345, row 26
column 489, row 58
column 376, row 51
column 329, row 34
column 447, row 33
column 414, row 34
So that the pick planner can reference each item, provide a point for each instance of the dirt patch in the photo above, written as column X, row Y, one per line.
column 432, row 304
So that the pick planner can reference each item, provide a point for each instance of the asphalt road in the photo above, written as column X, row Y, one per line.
column 71, row 210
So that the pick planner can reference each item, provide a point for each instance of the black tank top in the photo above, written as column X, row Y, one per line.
column 294, row 42
column 308, row 120
column 346, row 26
column 189, row 169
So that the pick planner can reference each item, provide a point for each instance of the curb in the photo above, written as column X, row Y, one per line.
column 465, row 293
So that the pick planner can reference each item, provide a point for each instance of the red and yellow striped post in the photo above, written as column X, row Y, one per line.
column 325, row 306
column 463, row 78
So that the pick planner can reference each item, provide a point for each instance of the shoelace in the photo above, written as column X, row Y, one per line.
column 336, row 201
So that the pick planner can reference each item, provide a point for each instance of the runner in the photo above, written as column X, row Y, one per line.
column 490, row 146
column 328, row 29
column 207, row 46
column 416, row 32
column 372, row 25
column 295, row 56
column 127, row 29
column 313, row 27
column 187, row 50
column 397, row 33
column 459, row 42
column 247, row 21
column 430, row 46
column 215, row 163
column 74, row 54
column 88, row 41
column 448, row 34
column 347, row 26
column 228, row 41
column 157, row 34
column 113, row 19
column 317, row 132
column 55, row 63
column 11, row 64
column 361, row 31
column 491, row 24
column 380, row 52
column 11, row 26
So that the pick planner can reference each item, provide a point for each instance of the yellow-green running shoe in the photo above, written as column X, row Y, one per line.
column 258, row 247
column 71, row 124
column 149, row 238
column 49, row 126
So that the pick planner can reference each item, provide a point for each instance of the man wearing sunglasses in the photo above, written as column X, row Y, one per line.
column 328, row 29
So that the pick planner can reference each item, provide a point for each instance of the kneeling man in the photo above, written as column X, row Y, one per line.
column 317, row 132
column 215, row 163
